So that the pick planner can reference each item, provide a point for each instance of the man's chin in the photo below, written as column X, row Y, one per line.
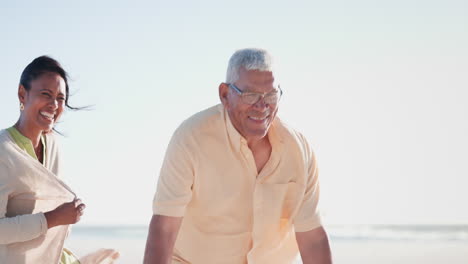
column 257, row 134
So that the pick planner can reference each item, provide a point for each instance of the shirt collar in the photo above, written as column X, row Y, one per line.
column 237, row 140
column 25, row 143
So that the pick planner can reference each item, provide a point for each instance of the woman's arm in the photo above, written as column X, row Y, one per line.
column 65, row 214
column 27, row 227
column 19, row 228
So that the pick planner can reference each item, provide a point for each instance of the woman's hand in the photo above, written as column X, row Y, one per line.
column 65, row 214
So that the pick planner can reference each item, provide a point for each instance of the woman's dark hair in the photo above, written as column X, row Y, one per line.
column 40, row 66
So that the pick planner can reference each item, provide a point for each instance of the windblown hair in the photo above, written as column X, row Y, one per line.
column 249, row 59
column 43, row 65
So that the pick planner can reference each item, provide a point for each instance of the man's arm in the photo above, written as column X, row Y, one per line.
column 162, row 235
column 314, row 246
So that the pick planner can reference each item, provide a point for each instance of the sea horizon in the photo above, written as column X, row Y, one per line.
column 373, row 232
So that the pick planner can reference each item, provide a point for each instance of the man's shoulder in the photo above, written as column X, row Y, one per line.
column 289, row 134
column 206, row 121
column 294, row 141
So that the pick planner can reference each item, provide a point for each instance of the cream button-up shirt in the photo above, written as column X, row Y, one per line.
column 232, row 214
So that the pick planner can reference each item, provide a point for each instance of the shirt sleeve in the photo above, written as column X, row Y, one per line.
column 174, row 190
column 19, row 228
column 308, row 217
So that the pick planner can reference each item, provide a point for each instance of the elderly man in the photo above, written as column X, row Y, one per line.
column 238, row 185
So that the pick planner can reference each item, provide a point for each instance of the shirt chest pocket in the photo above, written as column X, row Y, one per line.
column 281, row 200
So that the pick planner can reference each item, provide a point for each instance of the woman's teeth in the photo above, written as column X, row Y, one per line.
column 47, row 115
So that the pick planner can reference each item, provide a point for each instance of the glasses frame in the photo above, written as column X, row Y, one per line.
column 262, row 95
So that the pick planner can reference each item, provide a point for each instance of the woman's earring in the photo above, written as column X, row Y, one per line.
column 21, row 106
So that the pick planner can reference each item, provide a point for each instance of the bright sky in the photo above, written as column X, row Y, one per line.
column 379, row 88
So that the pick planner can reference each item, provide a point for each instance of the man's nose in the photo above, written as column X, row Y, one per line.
column 260, row 104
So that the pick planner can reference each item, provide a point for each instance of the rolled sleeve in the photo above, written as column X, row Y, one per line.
column 174, row 190
column 308, row 217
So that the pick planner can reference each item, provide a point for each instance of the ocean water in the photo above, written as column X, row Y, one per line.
column 436, row 233
column 111, row 232
column 356, row 244
column 441, row 233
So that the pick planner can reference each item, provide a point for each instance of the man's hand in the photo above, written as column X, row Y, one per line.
column 162, row 235
column 314, row 246
column 65, row 214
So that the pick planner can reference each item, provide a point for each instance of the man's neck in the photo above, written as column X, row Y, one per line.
column 257, row 143
column 261, row 150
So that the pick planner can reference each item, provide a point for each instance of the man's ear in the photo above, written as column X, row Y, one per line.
column 223, row 93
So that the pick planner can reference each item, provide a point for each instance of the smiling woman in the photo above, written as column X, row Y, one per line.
column 36, row 207
column 43, row 93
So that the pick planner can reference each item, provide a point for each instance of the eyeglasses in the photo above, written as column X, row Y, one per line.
column 252, row 98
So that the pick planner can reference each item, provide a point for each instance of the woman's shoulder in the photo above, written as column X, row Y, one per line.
column 5, row 140
column 4, row 134
column 51, row 140
column 6, row 148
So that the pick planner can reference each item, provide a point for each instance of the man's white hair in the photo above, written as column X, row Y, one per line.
column 249, row 59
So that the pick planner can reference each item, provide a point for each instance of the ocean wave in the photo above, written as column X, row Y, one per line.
column 398, row 233
column 341, row 232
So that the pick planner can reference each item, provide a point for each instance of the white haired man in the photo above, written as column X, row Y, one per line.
column 237, row 185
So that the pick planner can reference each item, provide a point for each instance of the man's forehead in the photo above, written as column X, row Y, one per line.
column 244, row 70
column 257, row 75
column 255, row 79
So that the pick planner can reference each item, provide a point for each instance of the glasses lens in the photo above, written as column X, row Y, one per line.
column 272, row 98
column 251, row 98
